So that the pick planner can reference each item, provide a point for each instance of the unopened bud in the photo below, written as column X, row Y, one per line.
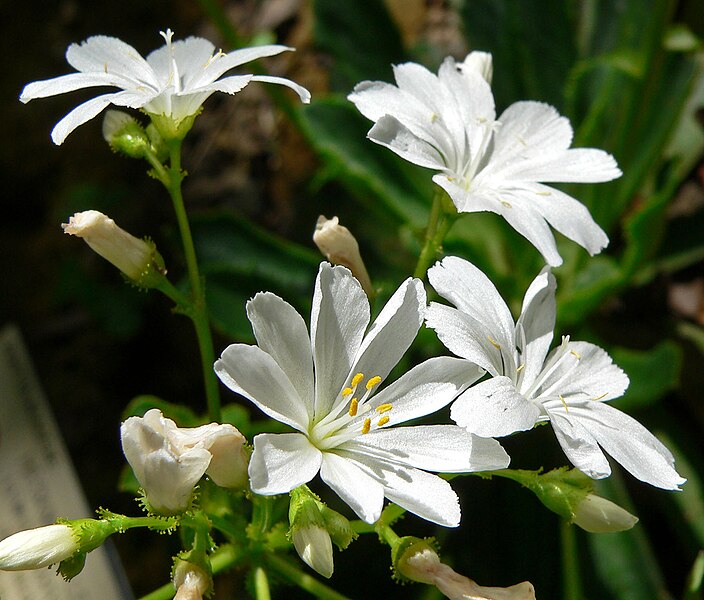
column 136, row 258
column 190, row 581
column 125, row 134
column 599, row 515
column 419, row 562
column 310, row 531
column 38, row 548
column 481, row 63
column 340, row 247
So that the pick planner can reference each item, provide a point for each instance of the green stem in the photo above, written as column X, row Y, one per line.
column 570, row 562
column 261, row 584
column 197, row 310
column 301, row 579
column 439, row 222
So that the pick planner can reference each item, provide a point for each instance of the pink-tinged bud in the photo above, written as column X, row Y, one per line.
column 190, row 582
column 421, row 563
column 340, row 247
column 137, row 259
column 37, row 548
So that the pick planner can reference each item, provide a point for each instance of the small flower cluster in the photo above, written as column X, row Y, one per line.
column 327, row 381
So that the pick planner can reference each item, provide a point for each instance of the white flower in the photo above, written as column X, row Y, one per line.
column 448, row 123
column 173, row 81
column 322, row 385
column 37, row 548
column 168, row 461
column 568, row 387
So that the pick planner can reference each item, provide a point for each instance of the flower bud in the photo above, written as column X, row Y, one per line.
column 419, row 562
column 341, row 248
column 136, row 258
column 599, row 515
column 309, row 532
column 38, row 548
column 168, row 461
column 190, row 581
column 481, row 63
column 125, row 134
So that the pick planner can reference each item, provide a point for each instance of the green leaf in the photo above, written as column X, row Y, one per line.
column 375, row 174
column 624, row 561
column 532, row 44
column 239, row 259
column 361, row 38
column 653, row 373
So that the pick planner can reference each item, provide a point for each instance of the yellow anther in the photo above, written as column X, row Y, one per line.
column 575, row 354
column 434, row 117
column 494, row 342
column 367, row 425
column 373, row 381
column 601, row 397
column 357, row 378
column 354, row 403
column 562, row 399
column 506, row 204
column 382, row 408
column 543, row 193
column 520, row 368
column 346, row 392
column 383, row 421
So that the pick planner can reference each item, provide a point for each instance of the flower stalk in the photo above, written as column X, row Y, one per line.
column 440, row 221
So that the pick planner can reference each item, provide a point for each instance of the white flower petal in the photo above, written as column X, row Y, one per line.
column 393, row 331
column 421, row 493
column 363, row 493
column 223, row 63
column 590, row 374
column 536, row 325
column 465, row 336
column 390, row 132
column 281, row 332
column 69, row 83
column 250, row 371
column 80, row 115
column 512, row 204
column 568, row 216
column 425, row 389
column 339, row 317
column 460, row 282
column 494, row 408
column 281, row 462
column 302, row 92
column 103, row 54
column 439, row 448
column 579, row 444
column 629, row 443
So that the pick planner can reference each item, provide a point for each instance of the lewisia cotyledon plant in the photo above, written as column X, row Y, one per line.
column 173, row 81
column 569, row 387
column 447, row 122
column 323, row 385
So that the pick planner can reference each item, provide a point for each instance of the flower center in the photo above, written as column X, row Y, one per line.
column 563, row 353
column 342, row 423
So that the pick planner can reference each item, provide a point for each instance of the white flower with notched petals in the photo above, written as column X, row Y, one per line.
column 568, row 387
column 447, row 122
column 168, row 461
column 172, row 81
column 324, row 385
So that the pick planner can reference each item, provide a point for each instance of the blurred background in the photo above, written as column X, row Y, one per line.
column 628, row 73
